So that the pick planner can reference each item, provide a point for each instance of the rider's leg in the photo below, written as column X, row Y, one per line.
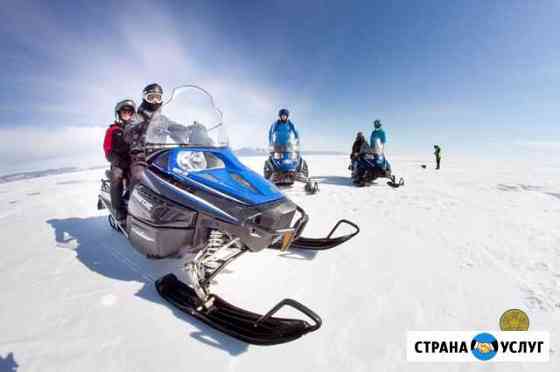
column 117, row 178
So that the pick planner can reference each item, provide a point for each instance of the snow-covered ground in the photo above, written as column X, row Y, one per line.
column 452, row 250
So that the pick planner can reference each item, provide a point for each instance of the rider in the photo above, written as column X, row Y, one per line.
column 357, row 146
column 356, row 150
column 117, row 153
column 378, row 133
column 135, row 134
column 282, row 129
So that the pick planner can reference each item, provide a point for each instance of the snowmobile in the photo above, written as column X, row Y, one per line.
column 371, row 164
column 285, row 165
column 198, row 203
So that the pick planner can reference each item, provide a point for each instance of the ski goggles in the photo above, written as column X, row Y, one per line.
column 127, row 109
column 153, row 98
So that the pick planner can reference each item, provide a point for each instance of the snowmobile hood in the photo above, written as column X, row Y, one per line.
column 223, row 175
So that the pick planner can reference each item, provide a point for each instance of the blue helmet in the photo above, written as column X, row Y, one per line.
column 283, row 112
column 377, row 124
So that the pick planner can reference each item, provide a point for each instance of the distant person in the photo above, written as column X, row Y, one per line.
column 117, row 153
column 378, row 133
column 437, row 154
column 282, row 130
column 135, row 134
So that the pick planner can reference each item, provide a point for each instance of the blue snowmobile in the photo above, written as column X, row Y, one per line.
column 199, row 203
column 285, row 164
column 371, row 164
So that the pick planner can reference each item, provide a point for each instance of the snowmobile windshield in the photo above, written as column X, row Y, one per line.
column 282, row 144
column 189, row 118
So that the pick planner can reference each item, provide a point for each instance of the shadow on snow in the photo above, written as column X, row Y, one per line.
column 108, row 253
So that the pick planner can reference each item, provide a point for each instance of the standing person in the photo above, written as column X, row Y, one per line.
column 117, row 153
column 282, row 129
column 378, row 133
column 437, row 153
column 135, row 134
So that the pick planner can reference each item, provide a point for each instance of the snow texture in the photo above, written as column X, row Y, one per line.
column 452, row 250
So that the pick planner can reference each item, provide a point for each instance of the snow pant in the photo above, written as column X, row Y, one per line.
column 438, row 160
column 118, row 175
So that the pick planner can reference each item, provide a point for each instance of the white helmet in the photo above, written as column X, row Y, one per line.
column 122, row 104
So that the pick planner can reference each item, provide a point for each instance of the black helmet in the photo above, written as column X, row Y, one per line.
column 284, row 112
column 152, row 88
column 127, row 103
column 377, row 124
column 152, row 96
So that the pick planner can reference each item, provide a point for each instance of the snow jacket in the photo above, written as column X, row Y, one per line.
column 115, row 148
column 357, row 147
column 280, row 132
column 377, row 133
column 437, row 152
column 135, row 133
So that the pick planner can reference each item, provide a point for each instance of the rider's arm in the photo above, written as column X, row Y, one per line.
column 293, row 129
column 271, row 132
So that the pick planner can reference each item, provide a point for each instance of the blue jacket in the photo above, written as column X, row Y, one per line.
column 377, row 133
column 282, row 131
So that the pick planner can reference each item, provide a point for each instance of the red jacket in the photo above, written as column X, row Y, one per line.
column 114, row 146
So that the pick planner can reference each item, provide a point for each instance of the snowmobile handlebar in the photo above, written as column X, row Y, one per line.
column 298, row 306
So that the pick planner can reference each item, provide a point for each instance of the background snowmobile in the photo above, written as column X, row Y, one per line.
column 372, row 164
column 285, row 165
column 198, row 200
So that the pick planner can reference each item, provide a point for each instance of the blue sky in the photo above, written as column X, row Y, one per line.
column 432, row 71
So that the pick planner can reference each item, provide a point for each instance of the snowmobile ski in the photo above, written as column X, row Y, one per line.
column 236, row 322
column 321, row 244
column 394, row 184
column 311, row 187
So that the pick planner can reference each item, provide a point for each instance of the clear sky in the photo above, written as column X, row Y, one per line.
column 433, row 71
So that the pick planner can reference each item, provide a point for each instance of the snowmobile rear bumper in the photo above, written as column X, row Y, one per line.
column 238, row 323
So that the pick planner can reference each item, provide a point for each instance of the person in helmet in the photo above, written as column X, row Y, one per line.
column 356, row 150
column 281, row 130
column 135, row 134
column 437, row 154
column 378, row 133
column 151, row 100
column 117, row 153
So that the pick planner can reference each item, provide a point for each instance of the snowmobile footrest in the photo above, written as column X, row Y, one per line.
column 238, row 323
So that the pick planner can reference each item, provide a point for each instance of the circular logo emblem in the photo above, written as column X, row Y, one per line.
column 484, row 346
column 514, row 320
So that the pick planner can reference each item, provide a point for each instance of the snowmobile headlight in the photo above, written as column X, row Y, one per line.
column 277, row 155
column 191, row 160
column 294, row 155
